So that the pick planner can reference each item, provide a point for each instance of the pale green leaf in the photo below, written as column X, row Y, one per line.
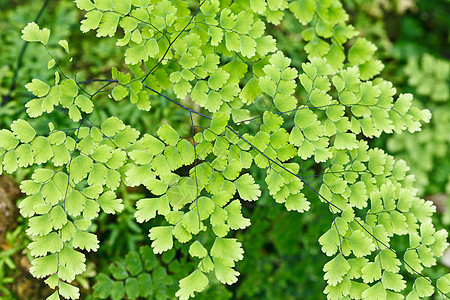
column 23, row 131
column 161, row 237
column 247, row 188
column 85, row 241
column 227, row 247
column 195, row 282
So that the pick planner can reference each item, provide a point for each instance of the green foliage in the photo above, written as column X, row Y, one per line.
column 139, row 275
column 214, row 62
column 430, row 78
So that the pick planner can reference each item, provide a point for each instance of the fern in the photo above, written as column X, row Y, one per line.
column 245, row 111
column 431, row 82
column 140, row 275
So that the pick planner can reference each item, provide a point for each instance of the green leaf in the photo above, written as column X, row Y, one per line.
column 304, row 118
column 250, row 91
column 68, row 231
column 43, row 244
column 117, row 290
column 187, row 150
column 84, row 4
column 85, row 240
column 361, row 244
column 91, row 209
column 39, row 225
column 74, row 203
column 42, row 150
column 7, row 140
column 235, row 219
column 51, row 193
column 82, row 224
column 345, row 140
column 54, row 296
column 118, row 271
column 119, row 92
column 84, row 103
column 141, row 157
column 133, row 263
column 68, row 291
column 103, row 153
column 371, row 272
column 197, row 250
column 108, row 24
column 109, row 203
column 102, row 286
column 65, row 45
column 361, row 51
column 330, row 241
column 213, row 101
column 58, row 217
column 145, row 282
column 126, row 137
column 389, row 259
column 303, row 10
column 272, row 121
column 393, row 281
column 218, row 79
column 224, row 270
column 10, row 162
column 112, row 126
column 146, row 209
column 44, row 34
column 195, row 282
column 80, row 167
column 226, row 247
column 413, row 263
column 91, row 21
column 297, row 202
column 42, row 175
column 70, row 88
column 122, row 7
column 132, row 288
column 23, row 131
column 335, row 269
column 57, row 137
column 219, row 122
column 247, row 188
column 168, row 135
column 31, row 32
column 191, row 222
column 375, row 292
column 162, row 238
column 181, row 233
column 247, row 46
column 61, row 155
column 72, row 259
column 26, row 206
column 148, row 258
column 339, row 290
column 423, row 287
column 443, row 284
column 38, row 88
column 44, row 266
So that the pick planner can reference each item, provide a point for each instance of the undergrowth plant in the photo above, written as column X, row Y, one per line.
column 247, row 107
column 430, row 76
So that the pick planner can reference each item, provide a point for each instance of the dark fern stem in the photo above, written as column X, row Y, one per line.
column 13, row 85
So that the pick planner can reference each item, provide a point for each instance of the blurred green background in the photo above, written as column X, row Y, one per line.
column 413, row 42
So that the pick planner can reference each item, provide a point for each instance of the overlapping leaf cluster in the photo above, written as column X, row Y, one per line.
column 217, row 55
column 430, row 76
column 140, row 275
